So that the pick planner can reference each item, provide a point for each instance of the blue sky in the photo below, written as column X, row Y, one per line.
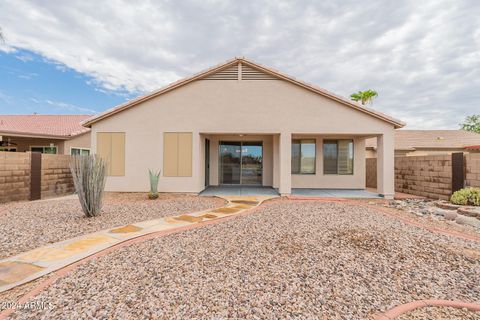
column 82, row 56
column 30, row 83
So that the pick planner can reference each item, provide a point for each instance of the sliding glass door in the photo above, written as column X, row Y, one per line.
column 241, row 162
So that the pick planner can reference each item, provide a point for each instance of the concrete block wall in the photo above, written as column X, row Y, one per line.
column 14, row 176
column 428, row 176
column 472, row 170
column 56, row 177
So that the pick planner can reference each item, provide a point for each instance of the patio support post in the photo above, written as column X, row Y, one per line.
column 386, row 165
column 285, row 163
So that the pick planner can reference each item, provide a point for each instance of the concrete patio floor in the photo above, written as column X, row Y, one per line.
column 269, row 191
column 239, row 191
column 335, row 193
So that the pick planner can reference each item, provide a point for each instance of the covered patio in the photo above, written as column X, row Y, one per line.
column 231, row 190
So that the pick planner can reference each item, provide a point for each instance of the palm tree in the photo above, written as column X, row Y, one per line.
column 364, row 96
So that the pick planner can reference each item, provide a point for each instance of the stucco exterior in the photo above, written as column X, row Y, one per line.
column 273, row 111
column 24, row 143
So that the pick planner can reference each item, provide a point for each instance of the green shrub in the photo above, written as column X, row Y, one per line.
column 466, row 196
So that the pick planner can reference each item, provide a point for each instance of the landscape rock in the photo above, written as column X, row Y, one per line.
column 469, row 221
column 287, row 260
column 450, row 215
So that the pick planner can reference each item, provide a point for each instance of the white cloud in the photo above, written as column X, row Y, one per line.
column 63, row 106
column 422, row 57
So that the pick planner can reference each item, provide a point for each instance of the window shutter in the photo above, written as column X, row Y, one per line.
column 177, row 154
column 118, row 154
column 111, row 147
column 185, row 154
column 170, row 154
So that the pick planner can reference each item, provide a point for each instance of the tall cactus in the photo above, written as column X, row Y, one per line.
column 89, row 176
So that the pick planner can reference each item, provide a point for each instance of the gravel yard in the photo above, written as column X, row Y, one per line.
column 29, row 225
column 289, row 259
column 440, row 313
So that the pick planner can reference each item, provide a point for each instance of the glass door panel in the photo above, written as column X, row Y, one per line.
column 230, row 162
column 252, row 162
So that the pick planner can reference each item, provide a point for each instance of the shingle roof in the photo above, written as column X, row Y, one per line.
column 431, row 139
column 397, row 123
column 43, row 125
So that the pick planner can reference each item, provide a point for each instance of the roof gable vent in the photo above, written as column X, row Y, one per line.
column 249, row 73
column 230, row 73
column 240, row 71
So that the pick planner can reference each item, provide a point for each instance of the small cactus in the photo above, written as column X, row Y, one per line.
column 89, row 177
column 154, row 176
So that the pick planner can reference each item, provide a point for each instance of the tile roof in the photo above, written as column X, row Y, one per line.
column 397, row 123
column 431, row 139
column 62, row 126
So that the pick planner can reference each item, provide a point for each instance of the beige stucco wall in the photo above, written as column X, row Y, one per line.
column 80, row 141
column 205, row 108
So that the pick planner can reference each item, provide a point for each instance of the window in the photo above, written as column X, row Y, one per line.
column 49, row 150
column 303, row 156
column 177, row 154
column 111, row 147
column 79, row 151
column 338, row 157
column 8, row 149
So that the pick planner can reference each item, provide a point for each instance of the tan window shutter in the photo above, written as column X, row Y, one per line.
column 118, row 154
column 104, row 143
column 111, row 147
column 185, row 154
column 170, row 154
column 177, row 154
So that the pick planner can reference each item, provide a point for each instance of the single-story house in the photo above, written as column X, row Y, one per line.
column 429, row 142
column 57, row 134
column 241, row 123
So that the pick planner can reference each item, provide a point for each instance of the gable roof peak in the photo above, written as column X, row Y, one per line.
column 397, row 123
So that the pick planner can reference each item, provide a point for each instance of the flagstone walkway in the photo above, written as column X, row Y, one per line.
column 28, row 266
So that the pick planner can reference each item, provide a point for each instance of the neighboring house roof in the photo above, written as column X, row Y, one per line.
column 473, row 147
column 247, row 62
column 53, row 126
column 431, row 139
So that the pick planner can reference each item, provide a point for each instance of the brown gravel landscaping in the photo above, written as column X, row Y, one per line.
column 29, row 225
column 440, row 313
column 289, row 259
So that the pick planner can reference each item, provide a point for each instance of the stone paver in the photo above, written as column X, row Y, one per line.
column 33, row 264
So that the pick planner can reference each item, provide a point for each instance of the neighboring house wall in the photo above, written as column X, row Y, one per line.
column 260, row 107
column 80, row 141
column 14, row 176
column 472, row 170
column 24, row 143
column 423, row 152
